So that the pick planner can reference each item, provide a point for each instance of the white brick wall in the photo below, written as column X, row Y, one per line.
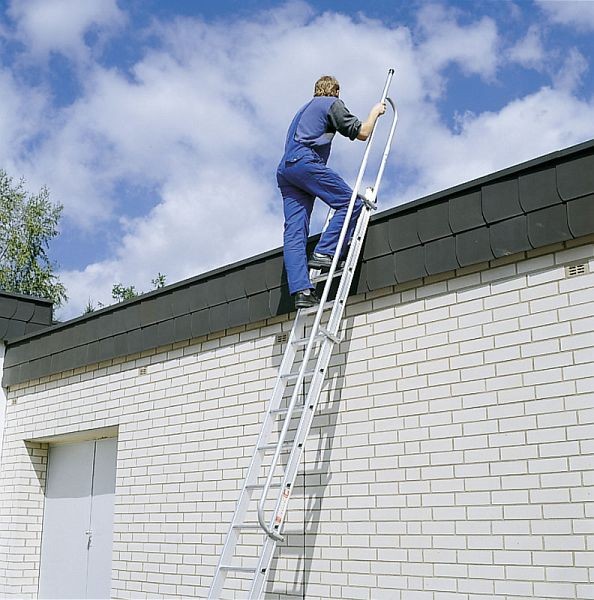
column 452, row 456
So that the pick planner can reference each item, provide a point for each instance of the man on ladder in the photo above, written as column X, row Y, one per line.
column 269, row 480
column 302, row 175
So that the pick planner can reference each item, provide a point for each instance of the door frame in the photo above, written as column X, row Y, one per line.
column 90, row 436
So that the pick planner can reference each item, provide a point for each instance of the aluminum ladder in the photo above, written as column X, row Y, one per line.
column 284, row 408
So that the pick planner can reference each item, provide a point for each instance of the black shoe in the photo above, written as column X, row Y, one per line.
column 306, row 299
column 320, row 261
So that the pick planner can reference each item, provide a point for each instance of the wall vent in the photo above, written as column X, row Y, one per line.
column 142, row 370
column 281, row 338
column 575, row 270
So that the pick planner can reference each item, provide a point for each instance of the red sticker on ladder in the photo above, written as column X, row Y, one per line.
column 283, row 506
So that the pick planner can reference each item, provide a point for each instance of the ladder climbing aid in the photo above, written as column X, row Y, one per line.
column 264, row 498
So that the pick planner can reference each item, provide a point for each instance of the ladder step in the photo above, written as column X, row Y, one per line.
column 314, row 309
column 250, row 526
column 293, row 376
column 323, row 276
column 303, row 341
column 273, row 446
column 260, row 486
column 284, row 411
column 238, row 568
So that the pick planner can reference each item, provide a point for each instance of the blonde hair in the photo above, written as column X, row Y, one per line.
column 327, row 85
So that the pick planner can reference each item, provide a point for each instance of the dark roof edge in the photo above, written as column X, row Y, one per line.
column 25, row 297
column 168, row 288
column 491, row 177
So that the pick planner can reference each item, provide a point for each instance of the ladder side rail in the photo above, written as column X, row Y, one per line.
column 351, row 207
column 270, row 542
column 254, row 468
column 292, row 467
column 318, row 317
column 322, row 362
column 283, row 434
column 312, row 399
column 387, row 148
column 358, row 238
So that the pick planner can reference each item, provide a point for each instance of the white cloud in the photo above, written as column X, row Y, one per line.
column 565, row 70
column 201, row 119
column 543, row 122
column 569, row 76
column 529, row 51
column 473, row 47
column 197, row 227
column 19, row 119
column 574, row 13
column 47, row 26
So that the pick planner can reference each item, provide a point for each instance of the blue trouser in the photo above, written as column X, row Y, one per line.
column 300, row 182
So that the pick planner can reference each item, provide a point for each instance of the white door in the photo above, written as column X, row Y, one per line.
column 78, row 520
column 101, row 536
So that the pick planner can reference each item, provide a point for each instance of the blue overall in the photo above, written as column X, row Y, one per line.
column 302, row 175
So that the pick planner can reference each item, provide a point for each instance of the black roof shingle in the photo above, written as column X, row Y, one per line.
column 21, row 315
column 544, row 201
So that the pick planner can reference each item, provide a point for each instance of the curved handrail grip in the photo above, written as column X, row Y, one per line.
column 384, row 160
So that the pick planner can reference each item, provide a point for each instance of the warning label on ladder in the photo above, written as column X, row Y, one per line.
column 283, row 506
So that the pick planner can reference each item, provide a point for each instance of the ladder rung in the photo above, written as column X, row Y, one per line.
column 314, row 309
column 273, row 446
column 293, row 376
column 284, row 411
column 304, row 341
column 260, row 486
column 250, row 526
column 323, row 276
column 238, row 568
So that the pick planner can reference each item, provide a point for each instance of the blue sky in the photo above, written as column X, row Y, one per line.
column 158, row 124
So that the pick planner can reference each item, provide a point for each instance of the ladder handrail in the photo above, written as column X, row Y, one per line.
column 268, row 528
column 336, row 314
column 388, row 145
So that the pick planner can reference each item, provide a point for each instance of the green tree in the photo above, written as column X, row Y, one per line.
column 27, row 224
column 159, row 281
column 120, row 292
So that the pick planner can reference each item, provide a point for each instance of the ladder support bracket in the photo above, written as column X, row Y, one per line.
column 368, row 198
column 335, row 338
